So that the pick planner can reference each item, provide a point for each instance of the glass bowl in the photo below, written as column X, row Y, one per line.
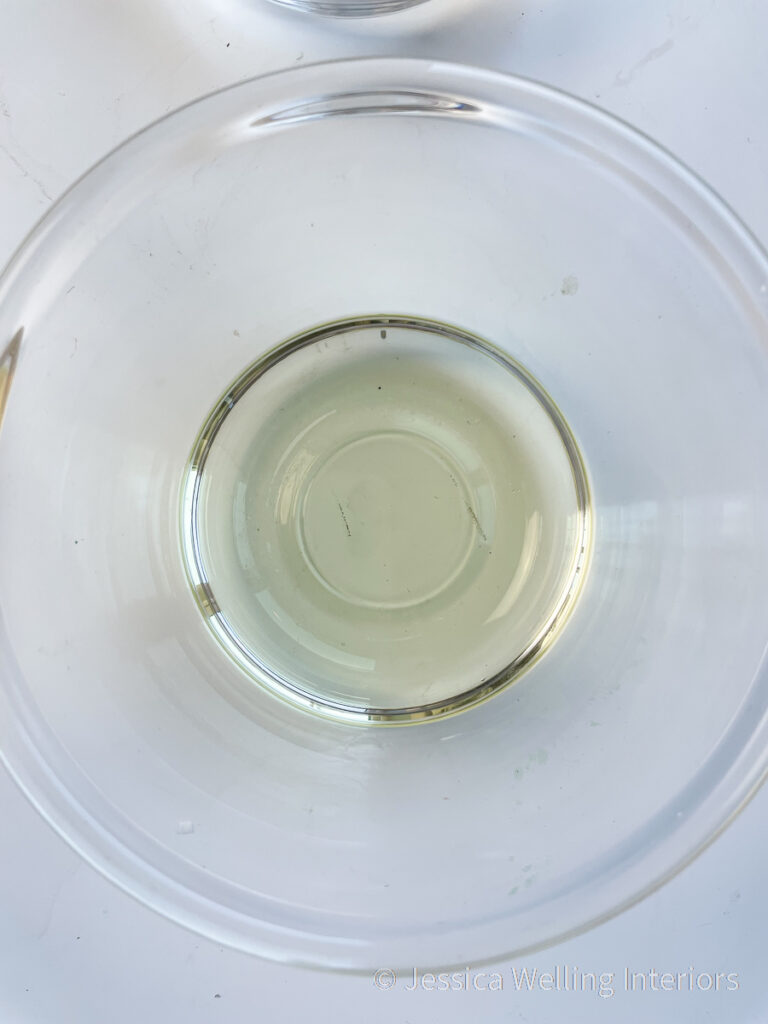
column 402, row 191
column 349, row 8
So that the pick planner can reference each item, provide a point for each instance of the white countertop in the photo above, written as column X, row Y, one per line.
column 78, row 76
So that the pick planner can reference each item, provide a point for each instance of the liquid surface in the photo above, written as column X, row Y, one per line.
column 385, row 519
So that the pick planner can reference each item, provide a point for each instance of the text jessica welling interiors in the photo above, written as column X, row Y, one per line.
column 561, row 978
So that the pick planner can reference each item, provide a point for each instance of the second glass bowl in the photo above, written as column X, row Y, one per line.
column 395, row 188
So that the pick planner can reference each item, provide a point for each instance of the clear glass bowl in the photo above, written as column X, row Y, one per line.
column 408, row 188
column 349, row 8
column 385, row 519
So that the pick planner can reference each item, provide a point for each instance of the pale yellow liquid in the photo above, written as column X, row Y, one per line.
column 387, row 518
